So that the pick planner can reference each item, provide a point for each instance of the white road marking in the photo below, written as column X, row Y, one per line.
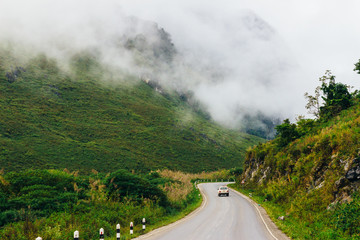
column 248, row 199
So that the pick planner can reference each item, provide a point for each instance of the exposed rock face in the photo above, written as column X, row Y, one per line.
column 353, row 174
column 342, row 182
column 259, row 170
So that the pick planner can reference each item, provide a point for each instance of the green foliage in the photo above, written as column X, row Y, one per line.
column 335, row 95
column 347, row 218
column 305, row 126
column 335, row 98
column 155, row 179
column 53, row 204
column 40, row 191
column 122, row 184
column 236, row 171
column 357, row 67
column 286, row 133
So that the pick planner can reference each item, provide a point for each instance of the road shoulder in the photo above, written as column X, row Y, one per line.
column 166, row 228
column 274, row 231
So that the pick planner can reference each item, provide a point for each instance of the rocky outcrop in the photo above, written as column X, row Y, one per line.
column 353, row 174
column 337, row 175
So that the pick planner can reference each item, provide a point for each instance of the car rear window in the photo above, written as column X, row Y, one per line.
column 223, row 188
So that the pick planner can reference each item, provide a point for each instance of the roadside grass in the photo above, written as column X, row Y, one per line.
column 319, row 226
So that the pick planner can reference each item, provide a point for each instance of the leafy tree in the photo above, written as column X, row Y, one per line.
column 304, row 126
column 357, row 67
column 313, row 105
column 330, row 98
column 336, row 96
column 286, row 133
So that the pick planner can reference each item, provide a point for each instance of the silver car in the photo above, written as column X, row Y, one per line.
column 223, row 190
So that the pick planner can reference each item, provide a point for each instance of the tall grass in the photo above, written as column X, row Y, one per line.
column 183, row 181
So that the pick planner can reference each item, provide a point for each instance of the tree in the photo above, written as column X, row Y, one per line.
column 304, row 126
column 336, row 96
column 313, row 105
column 333, row 96
column 357, row 67
column 286, row 133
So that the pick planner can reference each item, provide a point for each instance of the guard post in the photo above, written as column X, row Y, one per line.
column 131, row 228
column 118, row 232
column 101, row 234
column 144, row 224
column 76, row 235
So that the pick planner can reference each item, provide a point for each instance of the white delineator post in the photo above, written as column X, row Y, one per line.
column 118, row 232
column 144, row 223
column 76, row 235
column 131, row 228
column 101, row 232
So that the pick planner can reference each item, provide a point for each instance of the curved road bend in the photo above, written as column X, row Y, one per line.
column 221, row 218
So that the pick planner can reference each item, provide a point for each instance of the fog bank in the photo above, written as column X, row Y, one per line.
column 238, row 58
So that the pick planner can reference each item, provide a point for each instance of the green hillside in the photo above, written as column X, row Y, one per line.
column 90, row 118
column 310, row 173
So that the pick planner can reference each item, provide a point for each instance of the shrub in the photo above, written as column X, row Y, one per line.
column 41, row 191
column 121, row 184
column 8, row 216
column 286, row 133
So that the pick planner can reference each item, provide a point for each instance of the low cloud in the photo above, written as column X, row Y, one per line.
column 238, row 58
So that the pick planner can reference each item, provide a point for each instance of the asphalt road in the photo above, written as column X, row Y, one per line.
column 219, row 218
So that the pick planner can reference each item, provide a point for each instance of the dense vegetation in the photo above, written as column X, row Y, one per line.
column 89, row 117
column 53, row 204
column 309, row 172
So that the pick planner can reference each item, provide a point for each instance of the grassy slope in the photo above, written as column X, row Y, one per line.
column 304, row 180
column 50, row 119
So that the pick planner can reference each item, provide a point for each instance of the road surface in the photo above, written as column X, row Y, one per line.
column 219, row 218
